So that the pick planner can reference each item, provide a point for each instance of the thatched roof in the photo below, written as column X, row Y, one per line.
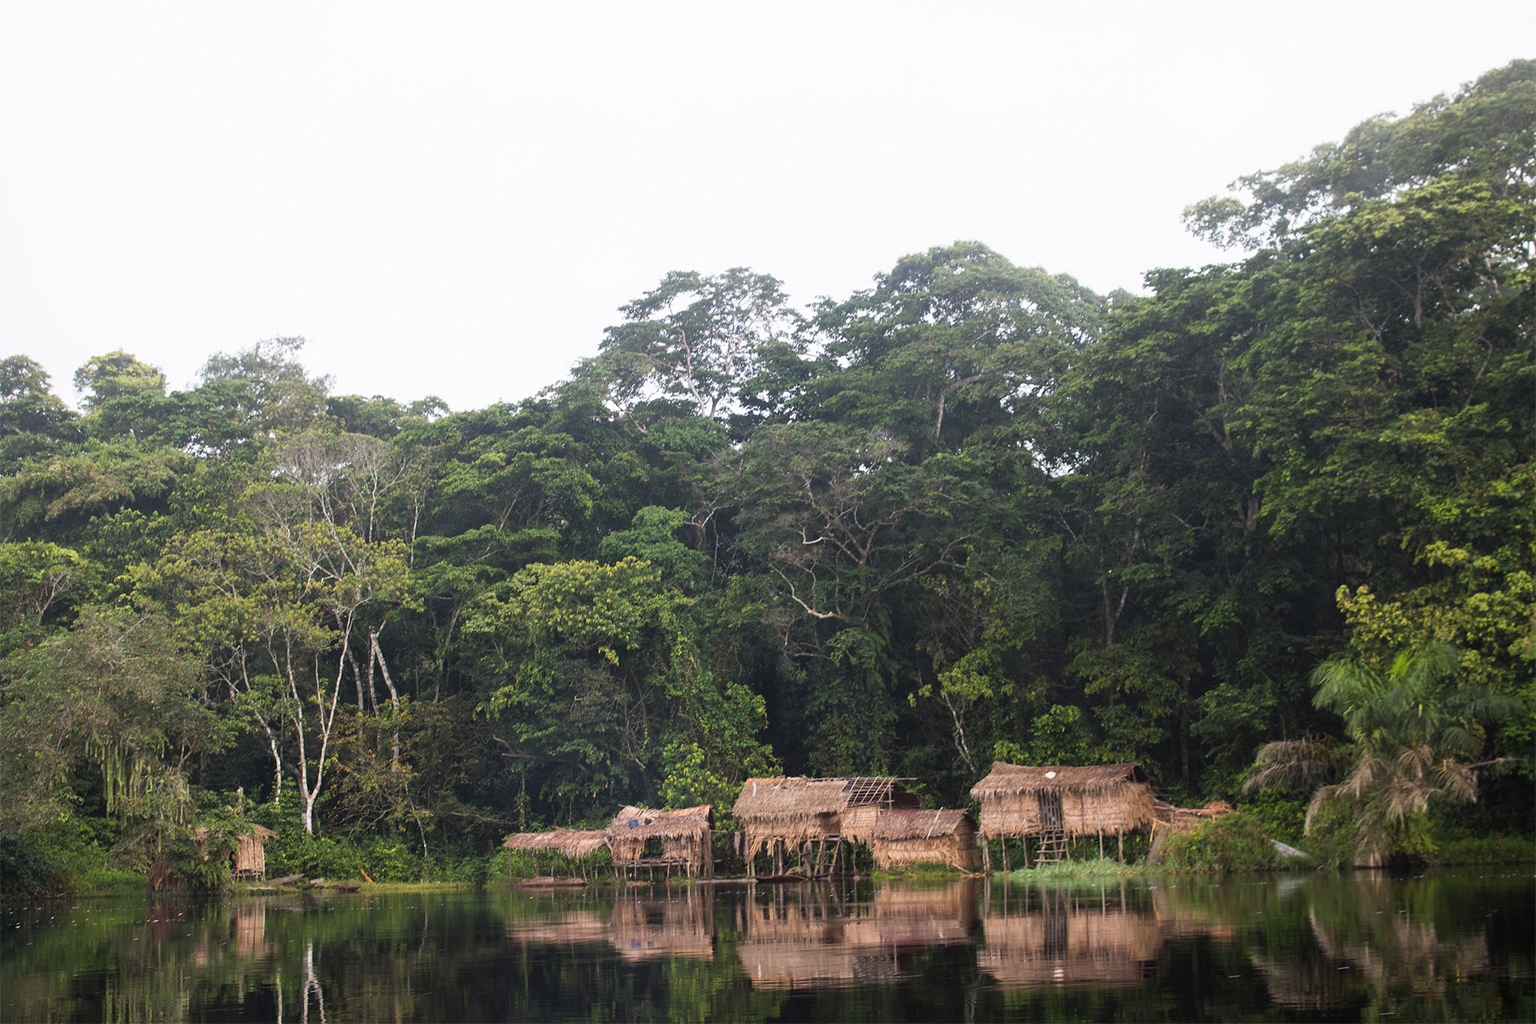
column 569, row 841
column 261, row 832
column 1013, row 779
column 899, row 825
column 799, row 796
column 638, row 824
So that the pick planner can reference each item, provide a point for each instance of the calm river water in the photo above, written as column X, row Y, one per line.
column 1365, row 946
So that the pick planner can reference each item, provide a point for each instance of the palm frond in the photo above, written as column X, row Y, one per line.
column 1296, row 764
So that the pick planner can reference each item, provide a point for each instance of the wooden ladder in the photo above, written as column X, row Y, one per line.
column 1053, row 847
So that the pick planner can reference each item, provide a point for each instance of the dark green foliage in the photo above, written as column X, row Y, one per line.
column 1233, row 842
column 973, row 511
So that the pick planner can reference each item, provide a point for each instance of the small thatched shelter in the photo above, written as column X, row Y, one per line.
column 1063, row 802
column 1080, row 800
column 573, row 843
column 795, row 812
column 563, row 844
column 249, row 857
column 932, row 837
column 664, row 839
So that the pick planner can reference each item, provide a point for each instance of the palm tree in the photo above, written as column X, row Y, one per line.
column 1411, row 736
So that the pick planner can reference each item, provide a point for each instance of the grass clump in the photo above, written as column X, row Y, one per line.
column 1098, row 869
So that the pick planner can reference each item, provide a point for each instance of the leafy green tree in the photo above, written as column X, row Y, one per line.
column 33, row 419
column 113, row 699
column 692, row 340
column 607, row 690
column 1411, row 735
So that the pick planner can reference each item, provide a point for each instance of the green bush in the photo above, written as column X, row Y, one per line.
column 1487, row 850
column 74, row 854
column 1233, row 842
column 1280, row 813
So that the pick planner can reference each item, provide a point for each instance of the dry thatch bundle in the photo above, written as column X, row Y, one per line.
column 1081, row 800
column 798, row 808
column 933, row 837
column 573, row 843
column 682, row 838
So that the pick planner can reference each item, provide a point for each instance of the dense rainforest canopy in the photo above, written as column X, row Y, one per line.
column 973, row 511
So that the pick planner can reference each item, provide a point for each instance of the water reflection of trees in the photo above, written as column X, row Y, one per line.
column 1334, row 946
column 1369, row 942
column 1387, row 940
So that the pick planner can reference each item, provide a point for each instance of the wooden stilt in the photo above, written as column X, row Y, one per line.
column 1006, row 867
column 1024, row 846
column 1120, row 839
column 1101, row 846
column 986, row 853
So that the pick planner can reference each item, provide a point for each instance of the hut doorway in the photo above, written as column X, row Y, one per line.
column 1050, row 812
column 1053, row 834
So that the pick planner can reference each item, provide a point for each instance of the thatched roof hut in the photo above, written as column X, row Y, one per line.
column 573, row 843
column 249, row 857
column 798, row 808
column 682, row 838
column 1080, row 800
column 932, row 837
column 251, row 852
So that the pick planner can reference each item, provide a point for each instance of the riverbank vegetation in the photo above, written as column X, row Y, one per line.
column 973, row 511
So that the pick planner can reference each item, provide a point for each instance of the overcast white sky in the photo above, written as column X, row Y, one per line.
column 453, row 199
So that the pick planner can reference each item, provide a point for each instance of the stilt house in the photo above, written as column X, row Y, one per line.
column 926, row 837
column 793, row 813
column 574, row 845
column 674, row 840
column 1064, row 802
column 248, row 860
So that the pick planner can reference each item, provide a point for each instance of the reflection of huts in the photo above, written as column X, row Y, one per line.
column 817, row 938
column 1066, row 801
column 572, row 928
column 934, row 837
column 674, row 840
column 790, row 813
column 1069, row 938
column 683, row 926
column 637, row 929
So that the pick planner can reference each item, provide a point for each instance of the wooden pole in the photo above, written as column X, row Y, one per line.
column 1120, row 839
